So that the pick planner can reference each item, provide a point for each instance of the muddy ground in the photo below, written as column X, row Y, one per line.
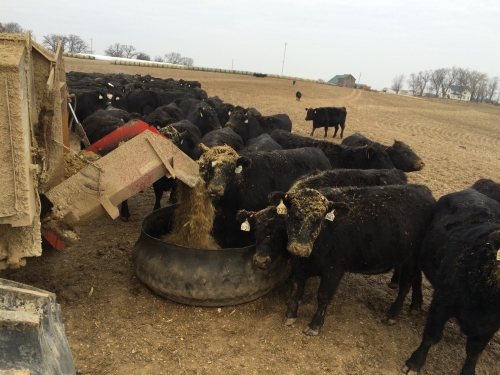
column 123, row 328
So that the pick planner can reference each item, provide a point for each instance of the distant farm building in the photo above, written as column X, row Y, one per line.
column 343, row 80
column 362, row 86
column 458, row 93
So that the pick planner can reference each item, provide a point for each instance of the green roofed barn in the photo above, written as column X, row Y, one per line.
column 343, row 80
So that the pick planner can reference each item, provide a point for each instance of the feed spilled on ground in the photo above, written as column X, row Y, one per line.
column 194, row 218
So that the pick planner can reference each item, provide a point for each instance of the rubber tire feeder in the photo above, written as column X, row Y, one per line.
column 199, row 277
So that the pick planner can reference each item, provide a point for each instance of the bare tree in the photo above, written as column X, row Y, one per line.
column 449, row 79
column 397, row 83
column 476, row 80
column 437, row 77
column 173, row 58
column 143, row 56
column 114, row 50
column 413, row 83
column 188, row 61
column 75, row 44
column 158, row 59
column 13, row 28
column 423, row 79
column 2, row 29
column 52, row 40
column 129, row 51
column 492, row 87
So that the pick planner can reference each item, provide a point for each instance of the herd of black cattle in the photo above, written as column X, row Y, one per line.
column 334, row 208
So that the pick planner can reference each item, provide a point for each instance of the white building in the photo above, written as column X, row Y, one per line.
column 458, row 93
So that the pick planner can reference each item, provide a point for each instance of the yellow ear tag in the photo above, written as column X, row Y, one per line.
column 330, row 215
column 245, row 226
column 498, row 255
column 281, row 208
column 238, row 169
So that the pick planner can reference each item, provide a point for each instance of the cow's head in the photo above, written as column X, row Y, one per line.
column 209, row 116
column 219, row 167
column 310, row 113
column 307, row 211
column 404, row 158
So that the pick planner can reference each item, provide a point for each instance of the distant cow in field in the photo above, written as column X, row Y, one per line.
column 294, row 82
column 298, row 95
column 326, row 117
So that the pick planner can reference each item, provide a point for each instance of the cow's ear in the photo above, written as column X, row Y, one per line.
column 276, row 197
column 201, row 111
column 307, row 109
column 243, row 215
column 182, row 136
column 243, row 162
column 337, row 209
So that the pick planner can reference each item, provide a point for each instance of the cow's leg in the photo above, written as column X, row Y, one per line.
column 433, row 333
column 336, row 130
column 342, row 131
column 312, row 133
column 298, row 285
column 326, row 130
column 473, row 349
column 124, row 212
column 416, row 292
column 396, row 276
column 158, row 189
column 408, row 274
column 327, row 287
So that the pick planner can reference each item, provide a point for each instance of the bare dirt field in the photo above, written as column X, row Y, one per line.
column 123, row 328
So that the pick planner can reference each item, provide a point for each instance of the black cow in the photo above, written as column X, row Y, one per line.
column 488, row 187
column 190, row 84
column 340, row 156
column 269, row 226
column 293, row 82
column 219, row 137
column 460, row 257
column 99, row 124
column 367, row 230
column 263, row 142
column 200, row 114
column 243, row 182
column 402, row 156
column 223, row 110
column 143, row 101
column 298, row 95
column 260, row 75
column 326, row 117
column 274, row 122
column 88, row 101
column 164, row 115
column 122, row 114
column 192, row 138
column 247, row 127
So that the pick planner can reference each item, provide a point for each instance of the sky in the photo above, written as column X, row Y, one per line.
column 374, row 40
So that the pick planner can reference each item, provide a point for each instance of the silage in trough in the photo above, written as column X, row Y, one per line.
column 193, row 219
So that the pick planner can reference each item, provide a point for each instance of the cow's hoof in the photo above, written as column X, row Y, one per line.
column 290, row 321
column 125, row 218
column 310, row 332
column 415, row 312
column 389, row 321
column 393, row 285
column 407, row 370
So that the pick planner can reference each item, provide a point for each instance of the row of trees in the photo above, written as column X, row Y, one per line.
column 437, row 82
column 129, row 52
column 75, row 44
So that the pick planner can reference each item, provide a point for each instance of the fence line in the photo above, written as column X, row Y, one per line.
column 152, row 64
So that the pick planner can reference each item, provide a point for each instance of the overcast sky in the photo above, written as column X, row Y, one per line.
column 375, row 38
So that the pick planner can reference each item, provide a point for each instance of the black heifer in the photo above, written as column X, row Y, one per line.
column 223, row 110
column 298, row 95
column 270, row 230
column 192, row 138
column 99, row 124
column 200, row 114
column 368, row 230
column 488, row 187
column 243, row 182
column 164, row 115
column 460, row 257
column 340, row 156
column 402, row 156
column 326, row 117
column 219, row 137
column 263, row 142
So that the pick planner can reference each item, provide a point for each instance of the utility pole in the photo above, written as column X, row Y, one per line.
column 283, row 60
column 91, row 51
column 232, row 63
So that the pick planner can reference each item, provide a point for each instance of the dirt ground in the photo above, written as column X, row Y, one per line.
column 123, row 328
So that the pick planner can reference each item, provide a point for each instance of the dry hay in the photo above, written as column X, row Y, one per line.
column 74, row 162
column 193, row 219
